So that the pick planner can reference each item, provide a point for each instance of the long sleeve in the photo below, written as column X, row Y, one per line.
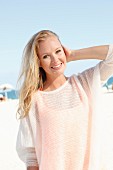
column 25, row 142
column 91, row 80
column 106, row 66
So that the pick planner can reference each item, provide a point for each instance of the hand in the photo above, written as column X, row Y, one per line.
column 68, row 53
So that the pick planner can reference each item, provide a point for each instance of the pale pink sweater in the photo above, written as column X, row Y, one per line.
column 57, row 133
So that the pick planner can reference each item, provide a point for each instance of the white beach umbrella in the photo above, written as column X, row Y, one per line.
column 5, row 87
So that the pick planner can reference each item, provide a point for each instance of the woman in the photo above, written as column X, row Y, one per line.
column 61, row 118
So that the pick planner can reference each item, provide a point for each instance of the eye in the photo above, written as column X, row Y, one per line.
column 58, row 51
column 45, row 56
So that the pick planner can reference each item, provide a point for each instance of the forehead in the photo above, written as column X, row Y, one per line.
column 49, row 43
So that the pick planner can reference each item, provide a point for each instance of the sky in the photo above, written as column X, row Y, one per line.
column 78, row 23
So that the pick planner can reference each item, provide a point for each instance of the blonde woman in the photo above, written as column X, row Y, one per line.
column 61, row 118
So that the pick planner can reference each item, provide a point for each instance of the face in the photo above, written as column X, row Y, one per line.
column 52, row 57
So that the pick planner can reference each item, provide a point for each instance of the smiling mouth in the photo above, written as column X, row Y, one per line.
column 57, row 66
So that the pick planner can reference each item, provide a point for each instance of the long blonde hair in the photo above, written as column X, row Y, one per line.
column 32, row 76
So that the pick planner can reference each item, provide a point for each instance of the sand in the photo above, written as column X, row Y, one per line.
column 8, row 133
column 9, row 127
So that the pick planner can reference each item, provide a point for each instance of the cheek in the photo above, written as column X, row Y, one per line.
column 44, row 64
column 64, row 58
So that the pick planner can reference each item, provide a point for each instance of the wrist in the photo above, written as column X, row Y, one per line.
column 73, row 55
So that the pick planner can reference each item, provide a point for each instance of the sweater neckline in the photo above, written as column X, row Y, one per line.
column 56, row 90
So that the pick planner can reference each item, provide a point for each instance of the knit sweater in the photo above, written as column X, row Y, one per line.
column 57, row 133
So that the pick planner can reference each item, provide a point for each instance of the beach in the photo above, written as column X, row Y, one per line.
column 8, row 132
column 9, row 127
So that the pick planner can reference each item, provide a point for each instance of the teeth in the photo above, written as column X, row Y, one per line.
column 57, row 66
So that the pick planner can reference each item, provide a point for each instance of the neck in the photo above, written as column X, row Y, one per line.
column 52, row 84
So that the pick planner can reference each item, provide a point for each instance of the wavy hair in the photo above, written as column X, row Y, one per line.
column 32, row 76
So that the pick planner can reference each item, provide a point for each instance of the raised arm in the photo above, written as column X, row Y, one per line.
column 103, row 53
column 95, row 52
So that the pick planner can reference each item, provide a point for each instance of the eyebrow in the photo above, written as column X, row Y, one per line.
column 47, row 53
column 58, row 48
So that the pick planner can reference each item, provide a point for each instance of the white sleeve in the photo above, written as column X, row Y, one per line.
column 106, row 66
column 25, row 143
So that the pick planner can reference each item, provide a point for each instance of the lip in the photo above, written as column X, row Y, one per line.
column 57, row 67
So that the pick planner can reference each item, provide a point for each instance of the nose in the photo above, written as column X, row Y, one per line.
column 54, row 59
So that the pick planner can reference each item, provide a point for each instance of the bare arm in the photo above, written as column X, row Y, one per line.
column 32, row 168
column 96, row 52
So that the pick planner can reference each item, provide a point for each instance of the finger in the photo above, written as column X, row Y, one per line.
column 66, row 51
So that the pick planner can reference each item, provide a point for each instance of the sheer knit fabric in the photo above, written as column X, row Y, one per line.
column 63, row 130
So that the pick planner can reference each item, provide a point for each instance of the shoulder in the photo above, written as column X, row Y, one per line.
column 35, row 96
column 75, row 79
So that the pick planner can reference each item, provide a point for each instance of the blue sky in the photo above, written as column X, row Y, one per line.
column 79, row 24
